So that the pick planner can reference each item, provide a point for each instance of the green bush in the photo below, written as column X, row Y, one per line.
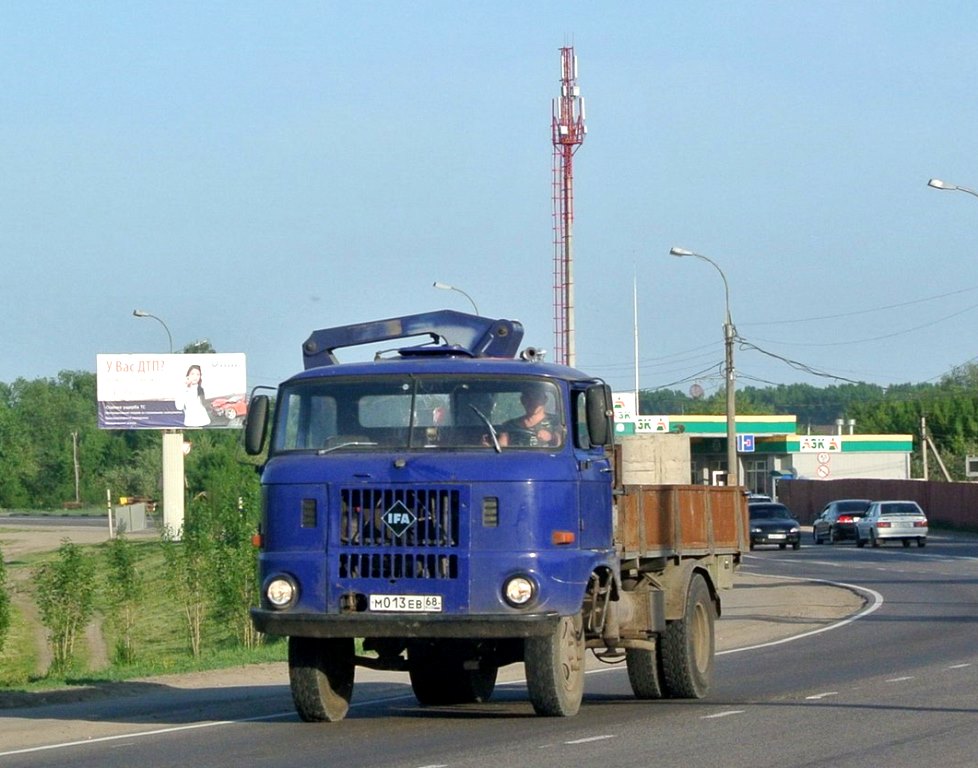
column 124, row 591
column 66, row 601
column 4, row 603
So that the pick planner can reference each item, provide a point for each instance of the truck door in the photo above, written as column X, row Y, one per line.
column 594, row 481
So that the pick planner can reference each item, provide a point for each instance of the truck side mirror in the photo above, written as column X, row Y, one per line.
column 256, row 424
column 600, row 415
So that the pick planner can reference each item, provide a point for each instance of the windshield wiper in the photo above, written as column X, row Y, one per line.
column 348, row 444
column 492, row 429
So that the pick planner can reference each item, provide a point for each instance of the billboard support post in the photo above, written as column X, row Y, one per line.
column 173, row 484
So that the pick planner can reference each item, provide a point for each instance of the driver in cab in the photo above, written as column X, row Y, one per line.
column 535, row 427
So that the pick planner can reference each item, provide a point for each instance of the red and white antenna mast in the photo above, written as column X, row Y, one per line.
column 568, row 134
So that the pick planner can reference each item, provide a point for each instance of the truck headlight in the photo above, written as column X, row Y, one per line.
column 518, row 591
column 281, row 591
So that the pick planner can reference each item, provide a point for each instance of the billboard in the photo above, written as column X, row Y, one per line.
column 196, row 391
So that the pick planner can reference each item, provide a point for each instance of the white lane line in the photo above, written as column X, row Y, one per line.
column 876, row 602
column 588, row 739
column 723, row 714
column 900, row 679
column 959, row 666
column 818, row 696
column 143, row 734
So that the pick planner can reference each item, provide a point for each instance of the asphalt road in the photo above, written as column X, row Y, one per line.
column 895, row 685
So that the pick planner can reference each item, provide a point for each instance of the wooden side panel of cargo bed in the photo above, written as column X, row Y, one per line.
column 664, row 520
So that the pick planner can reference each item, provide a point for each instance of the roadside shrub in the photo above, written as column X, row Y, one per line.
column 66, row 600
column 4, row 603
column 187, row 570
column 124, row 591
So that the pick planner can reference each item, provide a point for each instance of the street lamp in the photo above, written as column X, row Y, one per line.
column 447, row 287
column 729, row 332
column 144, row 313
column 938, row 184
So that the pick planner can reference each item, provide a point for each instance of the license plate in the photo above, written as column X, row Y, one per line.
column 777, row 536
column 406, row 603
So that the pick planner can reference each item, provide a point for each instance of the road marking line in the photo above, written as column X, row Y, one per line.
column 900, row 679
column 959, row 666
column 876, row 603
column 723, row 714
column 818, row 696
column 590, row 738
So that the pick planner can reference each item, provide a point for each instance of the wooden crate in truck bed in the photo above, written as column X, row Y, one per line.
column 681, row 520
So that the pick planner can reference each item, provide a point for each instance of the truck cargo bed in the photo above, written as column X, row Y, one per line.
column 680, row 521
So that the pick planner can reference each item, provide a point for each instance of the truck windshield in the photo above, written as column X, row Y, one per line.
column 416, row 412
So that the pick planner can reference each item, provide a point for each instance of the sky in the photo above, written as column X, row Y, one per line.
column 248, row 172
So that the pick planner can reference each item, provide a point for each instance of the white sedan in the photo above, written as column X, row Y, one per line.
column 902, row 521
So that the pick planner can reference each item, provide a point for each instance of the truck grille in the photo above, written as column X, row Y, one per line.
column 404, row 533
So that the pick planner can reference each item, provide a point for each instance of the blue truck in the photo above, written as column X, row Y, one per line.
column 451, row 507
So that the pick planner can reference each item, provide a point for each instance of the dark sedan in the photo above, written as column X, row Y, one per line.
column 773, row 523
column 837, row 521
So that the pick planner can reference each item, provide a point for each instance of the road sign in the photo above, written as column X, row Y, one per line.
column 745, row 443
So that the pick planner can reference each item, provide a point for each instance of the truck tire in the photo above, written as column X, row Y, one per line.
column 688, row 645
column 644, row 672
column 321, row 677
column 439, row 676
column 555, row 668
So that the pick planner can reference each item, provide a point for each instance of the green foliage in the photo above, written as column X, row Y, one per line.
column 4, row 603
column 186, row 558
column 235, row 563
column 124, row 591
column 66, row 600
column 37, row 419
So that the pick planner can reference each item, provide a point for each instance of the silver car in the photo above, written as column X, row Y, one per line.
column 902, row 521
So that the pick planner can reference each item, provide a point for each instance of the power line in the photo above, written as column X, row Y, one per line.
column 872, row 338
column 863, row 311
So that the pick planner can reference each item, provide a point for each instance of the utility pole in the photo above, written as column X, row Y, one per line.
column 74, row 452
column 923, row 443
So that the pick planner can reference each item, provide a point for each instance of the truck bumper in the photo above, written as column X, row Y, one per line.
column 401, row 625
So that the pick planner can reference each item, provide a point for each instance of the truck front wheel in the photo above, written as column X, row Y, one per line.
column 688, row 645
column 321, row 677
column 555, row 668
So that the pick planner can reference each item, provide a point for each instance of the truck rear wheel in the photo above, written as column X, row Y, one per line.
column 555, row 669
column 644, row 672
column 321, row 677
column 688, row 645
column 439, row 676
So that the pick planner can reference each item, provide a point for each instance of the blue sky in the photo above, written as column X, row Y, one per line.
column 251, row 171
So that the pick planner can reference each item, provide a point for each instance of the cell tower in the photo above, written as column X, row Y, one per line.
column 568, row 134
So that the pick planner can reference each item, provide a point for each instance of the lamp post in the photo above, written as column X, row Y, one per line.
column 144, row 313
column 173, row 475
column 729, row 332
column 447, row 287
column 938, row 184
